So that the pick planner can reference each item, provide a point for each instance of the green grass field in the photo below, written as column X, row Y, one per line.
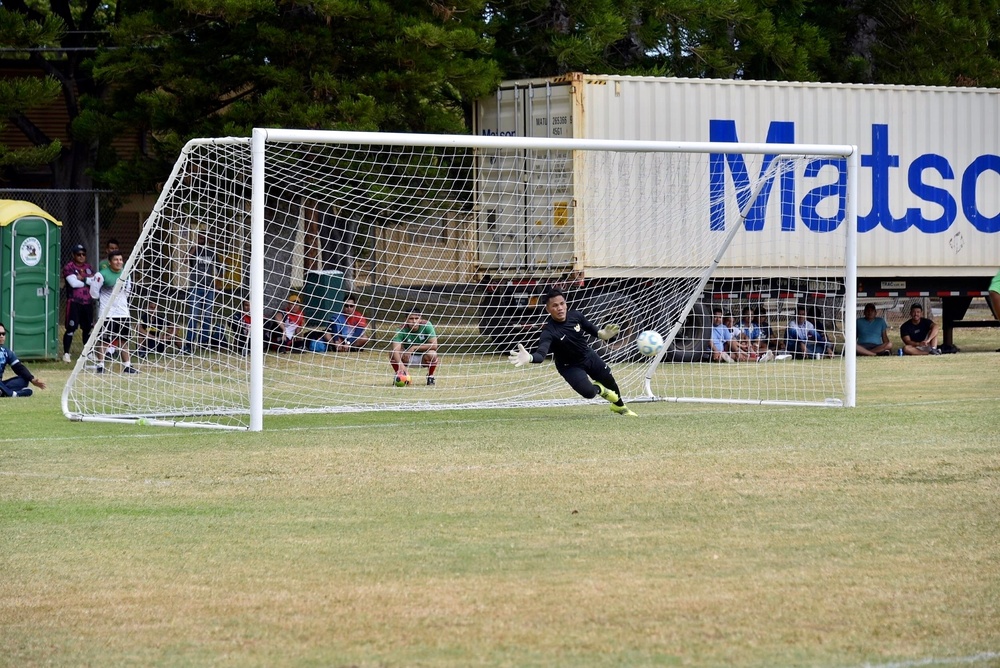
column 691, row 536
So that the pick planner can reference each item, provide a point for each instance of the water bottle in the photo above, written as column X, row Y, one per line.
column 900, row 351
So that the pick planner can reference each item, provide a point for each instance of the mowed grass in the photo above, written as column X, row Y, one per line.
column 691, row 536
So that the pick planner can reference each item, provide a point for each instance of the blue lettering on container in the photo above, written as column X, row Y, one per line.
column 880, row 163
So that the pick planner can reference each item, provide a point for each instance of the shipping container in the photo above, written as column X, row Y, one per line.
column 929, row 182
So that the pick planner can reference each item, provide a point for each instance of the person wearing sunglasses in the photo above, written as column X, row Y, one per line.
column 17, row 386
column 79, row 304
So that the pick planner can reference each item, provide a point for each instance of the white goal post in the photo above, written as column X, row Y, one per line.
column 252, row 238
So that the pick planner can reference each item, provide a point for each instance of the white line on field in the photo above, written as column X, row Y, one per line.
column 947, row 661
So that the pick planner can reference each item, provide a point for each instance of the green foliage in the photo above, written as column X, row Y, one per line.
column 176, row 69
column 187, row 69
column 926, row 42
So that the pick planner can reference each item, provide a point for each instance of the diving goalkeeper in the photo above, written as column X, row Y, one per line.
column 564, row 334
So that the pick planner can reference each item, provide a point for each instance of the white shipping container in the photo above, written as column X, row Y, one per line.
column 929, row 185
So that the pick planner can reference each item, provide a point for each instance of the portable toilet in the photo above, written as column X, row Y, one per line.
column 30, row 279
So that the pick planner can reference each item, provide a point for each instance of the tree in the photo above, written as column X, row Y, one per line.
column 696, row 38
column 58, row 41
column 926, row 42
column 182, row 69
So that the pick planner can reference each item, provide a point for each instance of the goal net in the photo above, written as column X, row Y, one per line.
column 276, row 275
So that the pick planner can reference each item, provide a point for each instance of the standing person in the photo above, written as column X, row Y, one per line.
column 415, row 343
column 203, row 265
column 564, row 334
column 873, row 334
column 919, row 334
column 79, row 305
column 347, row 329
column 110, row 247
column 118, row 318
column 18, row 385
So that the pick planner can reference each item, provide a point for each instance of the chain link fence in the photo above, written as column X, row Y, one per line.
column 88, row 217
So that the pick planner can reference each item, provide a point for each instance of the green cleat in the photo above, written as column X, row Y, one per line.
column 609, row 395
column 623, row 410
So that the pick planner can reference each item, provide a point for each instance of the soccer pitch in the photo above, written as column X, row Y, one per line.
column 690, row 536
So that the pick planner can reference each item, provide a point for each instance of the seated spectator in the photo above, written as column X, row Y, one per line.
column 156, row 334
column 722, row 338
column 347, row 330
column 240, row 324
column 768, row 340
column 289, row 323
column 803, row 340
column 751, row 331
column 873, row 334
column 919, row 334
column 16, row 386
column 741, row 347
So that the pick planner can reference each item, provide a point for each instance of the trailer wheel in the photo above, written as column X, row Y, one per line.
column 620, row 309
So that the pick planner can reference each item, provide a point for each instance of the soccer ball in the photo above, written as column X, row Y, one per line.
column 402, row 380
column 649, row 343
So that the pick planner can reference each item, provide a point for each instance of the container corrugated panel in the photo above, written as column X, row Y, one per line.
column 929, row 184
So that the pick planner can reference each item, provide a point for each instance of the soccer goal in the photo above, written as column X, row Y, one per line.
column 249, row 282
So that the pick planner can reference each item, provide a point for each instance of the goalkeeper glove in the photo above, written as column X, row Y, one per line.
column 519, row 356
column 608, row 332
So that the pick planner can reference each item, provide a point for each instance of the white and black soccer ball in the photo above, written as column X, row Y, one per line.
column 649, row 343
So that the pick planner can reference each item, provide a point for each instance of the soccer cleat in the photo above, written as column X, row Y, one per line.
column 98, row 369
column 622, row 410
column 766, row 357
column 430, row 380
column 67, row 358
column 129, row 369
column 609, row 395
column 934, row 351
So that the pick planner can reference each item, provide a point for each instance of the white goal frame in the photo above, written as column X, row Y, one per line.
column 262, row 139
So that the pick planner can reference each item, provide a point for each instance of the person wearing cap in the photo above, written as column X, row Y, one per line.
column 18, row 385
column 79, row 305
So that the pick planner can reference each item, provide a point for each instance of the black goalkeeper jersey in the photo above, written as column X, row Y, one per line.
column 567, row 340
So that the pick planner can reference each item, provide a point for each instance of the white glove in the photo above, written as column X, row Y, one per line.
column 519, row 356
column 96, row 281
column 608, row 332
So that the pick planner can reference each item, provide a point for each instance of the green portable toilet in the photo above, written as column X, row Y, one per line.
column 29, row 279
column 323, row 298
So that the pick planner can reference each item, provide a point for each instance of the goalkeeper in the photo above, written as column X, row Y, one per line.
column 564, row 334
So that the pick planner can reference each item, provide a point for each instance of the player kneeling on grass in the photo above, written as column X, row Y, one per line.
column 415, row 343
column 565, row 336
